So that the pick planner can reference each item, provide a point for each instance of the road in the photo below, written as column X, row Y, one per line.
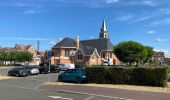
column 31, row 88
column 26, row 89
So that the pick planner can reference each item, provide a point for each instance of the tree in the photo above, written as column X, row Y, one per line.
column 130, row 52
column 150, row 53
column 16, row 56
column 3, row 56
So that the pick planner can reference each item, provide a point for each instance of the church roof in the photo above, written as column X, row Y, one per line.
column 86, row 50
column 99, row 44
column 66, row 43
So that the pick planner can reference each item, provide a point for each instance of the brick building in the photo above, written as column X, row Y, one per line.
column 88, row 52
column 29, row 48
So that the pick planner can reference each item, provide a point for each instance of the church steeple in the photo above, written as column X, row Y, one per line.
column 104, row 33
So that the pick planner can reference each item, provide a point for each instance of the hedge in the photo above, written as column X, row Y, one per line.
column 147, row 76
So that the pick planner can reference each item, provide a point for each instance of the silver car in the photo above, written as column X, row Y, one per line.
column 34, row 70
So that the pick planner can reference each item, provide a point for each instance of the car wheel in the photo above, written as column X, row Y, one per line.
column 60, row 79
column 17, row 75
column 78, row 80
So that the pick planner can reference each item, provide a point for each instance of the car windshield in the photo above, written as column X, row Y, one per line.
column 105, row 62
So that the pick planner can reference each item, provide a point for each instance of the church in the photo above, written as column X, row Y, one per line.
column 85, row 52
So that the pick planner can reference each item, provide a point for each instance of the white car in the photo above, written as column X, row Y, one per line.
column 64, row 67
column 34, row 70
column 105, row 63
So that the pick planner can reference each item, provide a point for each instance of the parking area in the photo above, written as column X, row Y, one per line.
column 52, row 77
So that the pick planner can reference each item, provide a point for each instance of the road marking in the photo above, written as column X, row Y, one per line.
column 96, row 95
column 89, row 98
column 59, row 97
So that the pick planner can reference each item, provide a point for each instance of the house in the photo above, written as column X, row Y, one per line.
column 159, row 57
column 39, row 57
column 18, row 47
column 85, row 52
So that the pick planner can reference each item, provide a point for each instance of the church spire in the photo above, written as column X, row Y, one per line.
column 104, row 33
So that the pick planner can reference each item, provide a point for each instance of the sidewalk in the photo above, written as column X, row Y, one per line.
column 110, row 92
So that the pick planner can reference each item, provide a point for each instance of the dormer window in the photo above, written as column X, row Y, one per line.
column 80, row 57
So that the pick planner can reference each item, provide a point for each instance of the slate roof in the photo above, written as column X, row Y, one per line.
column 99, row 44
column 66, row 42
column 87, row 46
column 87, row 51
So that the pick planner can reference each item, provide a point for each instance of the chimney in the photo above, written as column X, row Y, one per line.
column 77, row 41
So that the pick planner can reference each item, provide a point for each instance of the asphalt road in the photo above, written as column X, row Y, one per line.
column 26, row 89
column 31, row 88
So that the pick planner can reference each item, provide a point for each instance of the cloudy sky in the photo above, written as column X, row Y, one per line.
column 26, row 21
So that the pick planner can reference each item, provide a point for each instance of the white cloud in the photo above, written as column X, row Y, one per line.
column 52, row 42
column 141, row 19
column 160, row 40
column 34, row 11
column 125, row 17
column 150, row 3
column 165, row 21
column 151, row 32
column 23, row 38
column 111, row 1
column 165, row 10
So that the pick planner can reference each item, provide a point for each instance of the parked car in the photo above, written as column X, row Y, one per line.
column 19, row 71
column 44, row 70
column 105, row 63
column 65, row 67
column 55, row 69
column 34, row 70
column 75, row 75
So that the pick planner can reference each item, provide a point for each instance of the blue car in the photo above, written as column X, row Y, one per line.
column 75, row 75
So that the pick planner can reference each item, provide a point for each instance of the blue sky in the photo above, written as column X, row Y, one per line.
column 26, row 21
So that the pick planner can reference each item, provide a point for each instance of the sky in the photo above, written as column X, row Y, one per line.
column 27, row 21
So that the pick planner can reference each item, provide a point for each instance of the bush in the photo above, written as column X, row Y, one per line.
column 149, row 76
column 96, row 74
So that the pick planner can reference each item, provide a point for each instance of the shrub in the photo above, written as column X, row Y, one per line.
column 153, row 76
column 96, row 74
column 119, row 75
column 149, row 76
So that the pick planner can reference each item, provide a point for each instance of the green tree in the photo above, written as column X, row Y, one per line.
column 150, row 53
column 16, row 56
column 130, row 52
column 3, row 56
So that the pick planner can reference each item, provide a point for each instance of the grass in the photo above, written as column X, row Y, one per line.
column 129, row 87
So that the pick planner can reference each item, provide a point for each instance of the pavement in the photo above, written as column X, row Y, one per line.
column 33, row 87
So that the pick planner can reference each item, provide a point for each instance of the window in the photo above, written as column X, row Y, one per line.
column 103, row 55
column 110, row 54
column 67, row 53
column 80, row 56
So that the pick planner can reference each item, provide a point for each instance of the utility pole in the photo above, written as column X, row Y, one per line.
column 38, row 45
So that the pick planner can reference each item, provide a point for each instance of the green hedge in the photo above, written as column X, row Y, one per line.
column 149, row 76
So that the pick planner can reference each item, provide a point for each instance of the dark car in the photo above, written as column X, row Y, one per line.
column 55, row 69
column 75, row 75
column 44, row 70
column 19, row 71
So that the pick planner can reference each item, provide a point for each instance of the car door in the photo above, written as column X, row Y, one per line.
column 69, row 75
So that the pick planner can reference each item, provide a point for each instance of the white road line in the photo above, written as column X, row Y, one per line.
column 59, row 97
column 89, row 98
column 96, row 95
